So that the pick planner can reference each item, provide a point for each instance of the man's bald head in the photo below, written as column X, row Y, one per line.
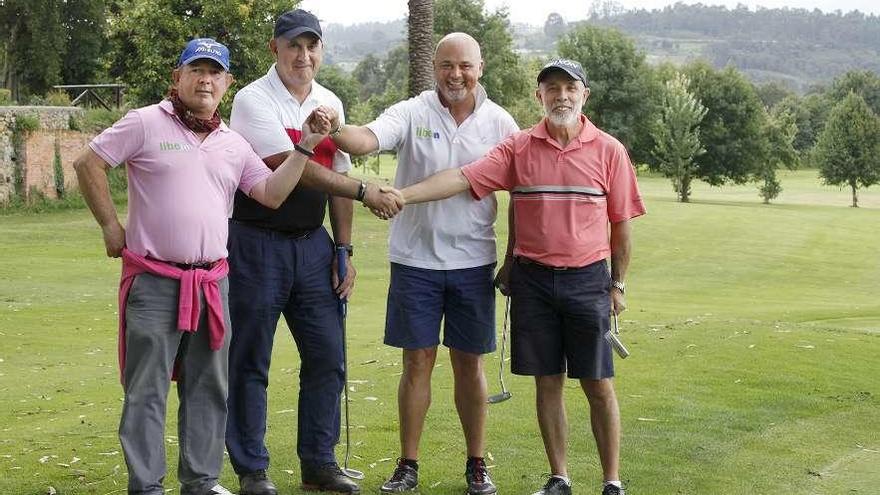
column 458, row 66
column 461, row 42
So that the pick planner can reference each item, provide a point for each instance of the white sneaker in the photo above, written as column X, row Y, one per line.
column 219, row 490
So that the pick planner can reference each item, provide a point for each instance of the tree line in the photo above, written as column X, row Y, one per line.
column 690, row 122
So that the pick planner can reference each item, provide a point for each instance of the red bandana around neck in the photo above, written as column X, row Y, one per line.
column 194, row 123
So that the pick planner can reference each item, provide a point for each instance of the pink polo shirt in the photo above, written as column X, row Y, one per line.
column 563, row 199
column 180, row 189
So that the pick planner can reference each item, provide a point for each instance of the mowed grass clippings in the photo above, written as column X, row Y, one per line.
column 754, row 331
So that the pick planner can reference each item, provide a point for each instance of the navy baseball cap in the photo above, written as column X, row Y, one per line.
column 570, row 67
column 296, row 22
column 208, row 48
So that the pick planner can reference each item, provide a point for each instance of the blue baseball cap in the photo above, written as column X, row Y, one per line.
column 208, row 48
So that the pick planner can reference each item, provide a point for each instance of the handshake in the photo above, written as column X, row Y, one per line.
column 383, row 201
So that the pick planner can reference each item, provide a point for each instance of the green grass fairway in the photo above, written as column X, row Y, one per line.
column 754, row 331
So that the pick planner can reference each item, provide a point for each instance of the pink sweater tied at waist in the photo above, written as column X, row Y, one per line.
column 188, row 306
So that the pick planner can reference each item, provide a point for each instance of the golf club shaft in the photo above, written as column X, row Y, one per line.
column 342, row 271
column 504, row 332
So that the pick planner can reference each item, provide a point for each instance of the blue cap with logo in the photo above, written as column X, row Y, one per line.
column 296, row 22
column 570, row 67
column 208, row 48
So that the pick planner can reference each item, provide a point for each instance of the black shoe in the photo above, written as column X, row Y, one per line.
column 327, row 478
column 404, row 479
column 555, row 486
column 477, row 477
column 256, row 483
column 612, row 490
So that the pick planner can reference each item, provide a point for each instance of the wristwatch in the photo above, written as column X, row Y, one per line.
column 348, row 248
column 617, row 284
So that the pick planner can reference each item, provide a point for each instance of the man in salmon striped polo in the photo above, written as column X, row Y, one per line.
column 573, row 191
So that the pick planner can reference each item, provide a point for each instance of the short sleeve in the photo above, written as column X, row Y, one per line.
column 122, row 141
column 253, row 172
column 493, row 172
column 253, row 117
column 391, row 127
column 624, row 198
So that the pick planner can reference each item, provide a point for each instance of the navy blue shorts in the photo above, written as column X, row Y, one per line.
column 419, row 298
column 559, row 319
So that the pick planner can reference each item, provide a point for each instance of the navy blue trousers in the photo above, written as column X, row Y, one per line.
column 273, row 274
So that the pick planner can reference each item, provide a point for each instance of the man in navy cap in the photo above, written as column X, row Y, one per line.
column 282, row 262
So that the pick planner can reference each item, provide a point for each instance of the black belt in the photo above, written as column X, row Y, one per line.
column 205, row 265
column 289, row 234
column 527, row 261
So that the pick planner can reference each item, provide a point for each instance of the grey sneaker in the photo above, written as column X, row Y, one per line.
column 612, row 490
column 256, row 483
column 555, row 486
column 477, row 477
column 404, row 479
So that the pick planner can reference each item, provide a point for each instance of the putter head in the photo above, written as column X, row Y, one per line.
column 353, row 473
column 503, row 396
column 616, row 344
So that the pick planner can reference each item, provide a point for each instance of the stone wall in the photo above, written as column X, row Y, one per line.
column 37, row 154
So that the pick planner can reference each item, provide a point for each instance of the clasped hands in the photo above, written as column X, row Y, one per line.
column 383, row 201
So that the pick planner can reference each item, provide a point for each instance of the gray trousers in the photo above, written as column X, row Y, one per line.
column 153, row 342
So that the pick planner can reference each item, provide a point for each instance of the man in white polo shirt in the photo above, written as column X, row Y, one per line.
column 442, row 254
column 282, row 262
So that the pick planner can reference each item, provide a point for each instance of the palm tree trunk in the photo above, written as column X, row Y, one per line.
column 421, row 45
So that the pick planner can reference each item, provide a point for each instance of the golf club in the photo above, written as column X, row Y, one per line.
column 612, row 336
column 505, row 394
column 341, row 270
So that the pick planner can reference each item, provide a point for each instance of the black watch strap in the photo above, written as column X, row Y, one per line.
column 362, row 192
column 348, row 248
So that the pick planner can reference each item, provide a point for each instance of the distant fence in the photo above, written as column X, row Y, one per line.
column 89, row 93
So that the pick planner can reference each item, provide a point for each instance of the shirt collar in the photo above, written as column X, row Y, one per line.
column 588, row 132
column 169, row 109
column 480, row 96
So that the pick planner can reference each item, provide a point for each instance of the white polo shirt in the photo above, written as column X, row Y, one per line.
column 269, row 117
column 457, row 232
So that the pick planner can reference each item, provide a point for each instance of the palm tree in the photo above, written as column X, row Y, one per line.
column 421, row 45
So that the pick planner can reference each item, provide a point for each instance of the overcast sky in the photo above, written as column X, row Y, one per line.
column 535, row 11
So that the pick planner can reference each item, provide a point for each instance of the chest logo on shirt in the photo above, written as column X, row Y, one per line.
column 424, row 132
column 168, row 146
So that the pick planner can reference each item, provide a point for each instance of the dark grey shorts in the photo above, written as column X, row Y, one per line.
column 559, row 319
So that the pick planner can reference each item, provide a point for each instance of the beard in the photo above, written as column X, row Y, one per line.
column 562, row 117
column 454, row 95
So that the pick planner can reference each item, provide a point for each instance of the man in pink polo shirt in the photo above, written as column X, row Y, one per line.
column 184, row 166
column 568, row 182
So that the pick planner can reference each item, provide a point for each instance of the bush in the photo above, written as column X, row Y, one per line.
column 95, row 120
column 59, row 172
column 57, row 99
column 25, row 124
column 5, row 96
